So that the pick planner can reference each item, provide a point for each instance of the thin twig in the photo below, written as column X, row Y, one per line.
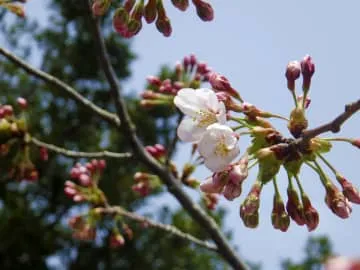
column 165, row 227
column 108, row 116
column 174, row 186
column 76, row 154
column 334, row 125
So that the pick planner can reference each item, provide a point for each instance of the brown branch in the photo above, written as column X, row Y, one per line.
column 117, row 210
column 108, row 116
column 334, row 125
column 174, row 186
column 76, row 154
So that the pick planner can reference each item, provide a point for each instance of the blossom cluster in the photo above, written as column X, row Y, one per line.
column 206, row 124
column 127, row 19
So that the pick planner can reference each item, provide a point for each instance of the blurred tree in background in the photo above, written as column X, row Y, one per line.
column 33, row 217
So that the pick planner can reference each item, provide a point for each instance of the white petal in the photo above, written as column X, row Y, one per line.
column 216, row 163
column 221, row 115
column 187, row 102
column 208, row 99
column 189, row 131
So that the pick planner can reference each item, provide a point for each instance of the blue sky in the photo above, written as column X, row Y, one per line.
column 251, row 42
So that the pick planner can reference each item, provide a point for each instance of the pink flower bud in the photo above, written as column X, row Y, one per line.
column 356, row 143
column 8, row 110
column 70, row 192
column 250, row 207
column 279, row 218
column 85, row 180
column 307, row 70
column 292, row 73
column 22, row 102
column 350, row 192
column 150, row 11
column 153, row 80
column 294, row 207
column 221, row 83
column 74, row 173
column 337, row 202
column 310, row 213
column 204, row 10
column 164, row 26
column 120, row 21
column 99, row 7
column 181, row 4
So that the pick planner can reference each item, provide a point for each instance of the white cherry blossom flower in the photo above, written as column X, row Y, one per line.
column 202, row 108
column 218, row 147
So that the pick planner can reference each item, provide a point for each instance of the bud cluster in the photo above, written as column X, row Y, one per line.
column 84, row 227
column 205, row 124
column 188, row 73
column 127, row 19
column 87, row 176
column 14, row 143
column 14, row 7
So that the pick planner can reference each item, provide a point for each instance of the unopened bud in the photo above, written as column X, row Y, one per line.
column 350, row 192
column 356, row 143
column 337, row 202
column 22, row 102
column 307, row 70
column 164, row 26
column 150, row 11
column 116, row 240
column 279, row 218
column 310, row 213
column 292, row 73
column 250, row 207
column 298, row 122
column 294, row 207
column 99, row 7
column 181, row 4
column 204, row 10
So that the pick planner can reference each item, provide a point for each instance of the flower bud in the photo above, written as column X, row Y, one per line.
column 298, row 122
column 204, row 10
column 22, row 102
column 120, row 21
column 337, row 202
column 292, row 73
column 310, row 213
column 350, row 192
column 279, row 218
column 221, row 83
column 181, row 4
column 163, row 22
column 164, row 26
column 356, row 143
column 210, row 200
column 250, row 207
column 99, row 7
column 150, row 11
column 44, row 155
column 307, row 70
column 294, row 207
column 154, row 81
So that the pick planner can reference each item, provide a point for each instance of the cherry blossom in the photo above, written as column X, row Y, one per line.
column 202, row 109
column 218, row 147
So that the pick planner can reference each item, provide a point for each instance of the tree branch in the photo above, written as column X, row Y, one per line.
column 334, row 125
column 174, row 186
column 117, row 210
column 76, row 154
column 108, row 116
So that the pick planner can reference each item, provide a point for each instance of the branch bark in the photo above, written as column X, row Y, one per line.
column 117, row 210
column 108, row 116
column 174, row 187
column 77, row 154
column 334, row 125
